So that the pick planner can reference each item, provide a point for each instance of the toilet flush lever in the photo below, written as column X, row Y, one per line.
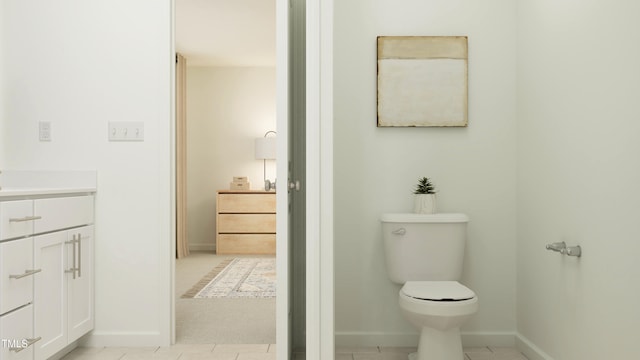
column 400, row 231
column 557, row 246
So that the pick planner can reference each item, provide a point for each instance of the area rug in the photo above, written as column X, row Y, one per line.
column 238, row 278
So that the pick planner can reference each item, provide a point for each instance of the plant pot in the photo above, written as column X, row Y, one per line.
column 425, row 204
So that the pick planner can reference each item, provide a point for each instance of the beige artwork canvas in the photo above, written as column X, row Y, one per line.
column 422, row 81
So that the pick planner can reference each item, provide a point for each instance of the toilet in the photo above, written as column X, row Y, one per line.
column 424, row 253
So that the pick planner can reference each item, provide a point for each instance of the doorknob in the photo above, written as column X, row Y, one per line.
column 268, row 185
column 294, row 185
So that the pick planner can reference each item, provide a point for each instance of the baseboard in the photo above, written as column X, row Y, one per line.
column 125, row 339
column 469, row 339
column 202, row 247
column 529, row 349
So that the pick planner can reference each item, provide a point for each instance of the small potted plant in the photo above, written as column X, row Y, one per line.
column 425, row 197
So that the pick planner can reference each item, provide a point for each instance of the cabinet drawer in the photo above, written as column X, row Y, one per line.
column 16, row 274
column 16, row 219
column 16, row 328
column 246, row 244
column 246, row 223
column 246, row 203
column 61, row 213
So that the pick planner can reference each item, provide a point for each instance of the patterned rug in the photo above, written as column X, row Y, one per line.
column 238, row 278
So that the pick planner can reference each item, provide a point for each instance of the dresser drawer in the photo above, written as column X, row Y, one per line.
column 246, row 223
column 16, row 274
column 62, row 213
column 246, row 203
column 246, row 244
column 16, row 330
column 16, row 219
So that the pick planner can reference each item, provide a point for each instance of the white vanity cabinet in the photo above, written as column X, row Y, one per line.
column 46, row 272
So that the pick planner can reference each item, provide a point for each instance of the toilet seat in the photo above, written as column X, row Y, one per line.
column 445, row 291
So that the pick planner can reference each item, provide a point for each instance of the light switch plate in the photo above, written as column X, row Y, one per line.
column 126, row 131
column 44, row 130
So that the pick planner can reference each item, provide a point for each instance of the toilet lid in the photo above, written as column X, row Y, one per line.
column 437, row 290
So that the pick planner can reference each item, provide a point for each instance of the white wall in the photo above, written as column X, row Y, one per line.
column 578, row 176
column 474, row 168
column 227, row 109
column 79, row 65
column 2, row 88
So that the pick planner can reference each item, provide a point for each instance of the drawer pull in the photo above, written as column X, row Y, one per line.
column 26, row 218
column 29, row 343
column 26, row 273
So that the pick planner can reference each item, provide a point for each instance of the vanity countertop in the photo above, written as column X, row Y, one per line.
column 20, row 192
column 14, row 184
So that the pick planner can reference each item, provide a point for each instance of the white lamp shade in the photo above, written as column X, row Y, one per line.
column 266, row 148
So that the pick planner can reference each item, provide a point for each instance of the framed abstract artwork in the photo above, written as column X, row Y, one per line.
column 422, row 81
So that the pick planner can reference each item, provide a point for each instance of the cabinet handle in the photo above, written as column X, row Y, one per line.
column 73, row 261
column 29, row 343
column 79, row 268
column 26, row 218
column 26, row 273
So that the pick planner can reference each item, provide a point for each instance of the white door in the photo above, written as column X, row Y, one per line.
column 283, row 268
column 305, row 194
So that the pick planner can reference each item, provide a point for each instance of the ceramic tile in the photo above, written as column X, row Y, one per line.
column 187, row 348
column 517, row 356
column 242, row 348
column 343, row 356
column 209, row 356
column 129, row 350
column 504, row 350
column 483, row 349
column 363, row 350
column 150, row 356
column 480, row 355
column 398, row 349
column 93, row 356
column 379, row 356
column 256, row 356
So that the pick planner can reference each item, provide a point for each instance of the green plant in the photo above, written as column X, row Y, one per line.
column 424, row 186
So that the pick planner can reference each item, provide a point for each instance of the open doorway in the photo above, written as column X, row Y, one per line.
column 229, row 48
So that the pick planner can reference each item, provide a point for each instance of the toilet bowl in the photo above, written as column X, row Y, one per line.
column 437, row 309
column 425, row 253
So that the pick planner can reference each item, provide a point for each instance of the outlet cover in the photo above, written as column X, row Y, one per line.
column 44, row 130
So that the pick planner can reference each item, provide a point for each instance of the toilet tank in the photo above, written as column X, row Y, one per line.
column 424, row 247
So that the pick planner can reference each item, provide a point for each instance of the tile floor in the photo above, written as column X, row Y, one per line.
column 267, row 352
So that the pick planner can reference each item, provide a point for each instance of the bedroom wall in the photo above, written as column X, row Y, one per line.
column 578, row 176
column 79, row 65
column 376, row 168
column 227, row 108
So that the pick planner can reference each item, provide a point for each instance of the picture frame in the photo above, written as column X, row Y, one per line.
column 422, row 81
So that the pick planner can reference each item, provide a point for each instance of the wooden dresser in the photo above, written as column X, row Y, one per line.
column 245, row 222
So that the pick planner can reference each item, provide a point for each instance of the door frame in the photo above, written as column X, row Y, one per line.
column 319, row 186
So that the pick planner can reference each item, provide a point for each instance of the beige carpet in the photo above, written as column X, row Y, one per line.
column 219, row 321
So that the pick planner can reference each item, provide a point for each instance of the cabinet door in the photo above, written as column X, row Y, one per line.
column 80, row 286
column 16, row 332
column 50, row 297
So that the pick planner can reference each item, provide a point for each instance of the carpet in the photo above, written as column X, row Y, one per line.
column 238, row 278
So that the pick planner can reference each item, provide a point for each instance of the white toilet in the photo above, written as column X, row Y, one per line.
column 425, row 252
